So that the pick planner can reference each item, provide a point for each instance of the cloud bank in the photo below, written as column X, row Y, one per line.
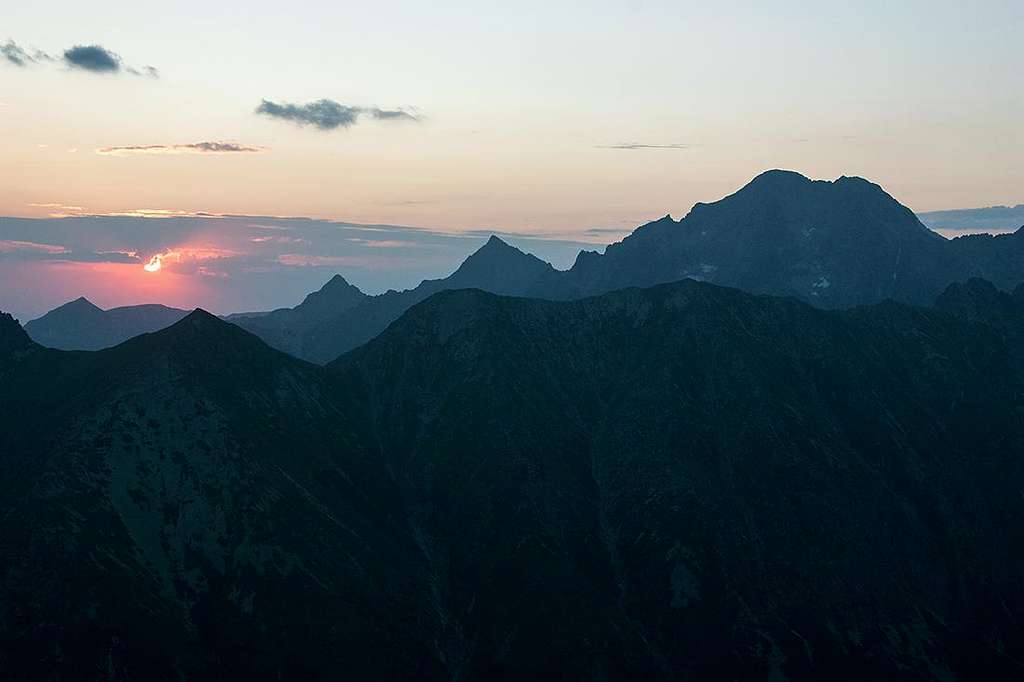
column 326, row 114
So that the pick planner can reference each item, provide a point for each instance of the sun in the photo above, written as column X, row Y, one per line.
column 154, row 264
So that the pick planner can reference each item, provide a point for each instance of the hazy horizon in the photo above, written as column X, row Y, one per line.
column 267, row 262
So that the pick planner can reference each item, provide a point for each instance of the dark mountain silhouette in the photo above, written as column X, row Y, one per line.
column 12, row 337
column 979, row 299
column 832, row 244
column 80, row 325
column 682, row 482
column 496, row 267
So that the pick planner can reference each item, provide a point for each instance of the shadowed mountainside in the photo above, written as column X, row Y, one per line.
column 680, row 482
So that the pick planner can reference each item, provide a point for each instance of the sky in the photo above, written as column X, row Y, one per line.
column 571, row 121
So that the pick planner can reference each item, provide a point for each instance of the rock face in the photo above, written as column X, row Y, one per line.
column 832, row 244
column 683, row 482
column 80, row 325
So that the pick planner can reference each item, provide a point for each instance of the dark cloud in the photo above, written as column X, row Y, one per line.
column 637, row 145
column 92, row 58
column 19, row 56
column 193, row 148
column 326, row 114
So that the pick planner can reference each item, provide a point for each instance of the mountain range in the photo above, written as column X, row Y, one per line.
column 680, row 482
column 831, row 244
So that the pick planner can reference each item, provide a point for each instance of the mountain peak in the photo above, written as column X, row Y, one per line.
column 80, row 304
column 500, row 268
column 202, row 337
column 778, row 177
column 495, row 244
column 336, row 281
column 334, row 297
column 498, row 252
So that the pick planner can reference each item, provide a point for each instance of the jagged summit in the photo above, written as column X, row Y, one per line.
column 12, row 336
column 979, row 298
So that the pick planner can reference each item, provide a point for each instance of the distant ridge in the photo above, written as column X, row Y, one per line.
column 81, row 325
column 496, row 267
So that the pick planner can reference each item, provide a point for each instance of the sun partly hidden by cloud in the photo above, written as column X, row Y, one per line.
column 154, row 264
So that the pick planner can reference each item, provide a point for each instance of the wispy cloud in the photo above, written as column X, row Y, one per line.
column 326, row 114
column 637, row 145
column 193, row 148
column 11, row 246
column 57, row 210
column 15, row 54
column 63, row 207
column 383, row 243
column 310, row 261
column 145, row 71
column 151, row 213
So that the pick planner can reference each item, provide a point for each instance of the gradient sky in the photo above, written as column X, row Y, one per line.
column 550, row 118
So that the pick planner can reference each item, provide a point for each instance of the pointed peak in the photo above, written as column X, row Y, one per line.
column 202, row 316
column 493, row 247
column 335, row 281
column 336, row 296
column 80, row 303
column 496, row 242
column 197, row 320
